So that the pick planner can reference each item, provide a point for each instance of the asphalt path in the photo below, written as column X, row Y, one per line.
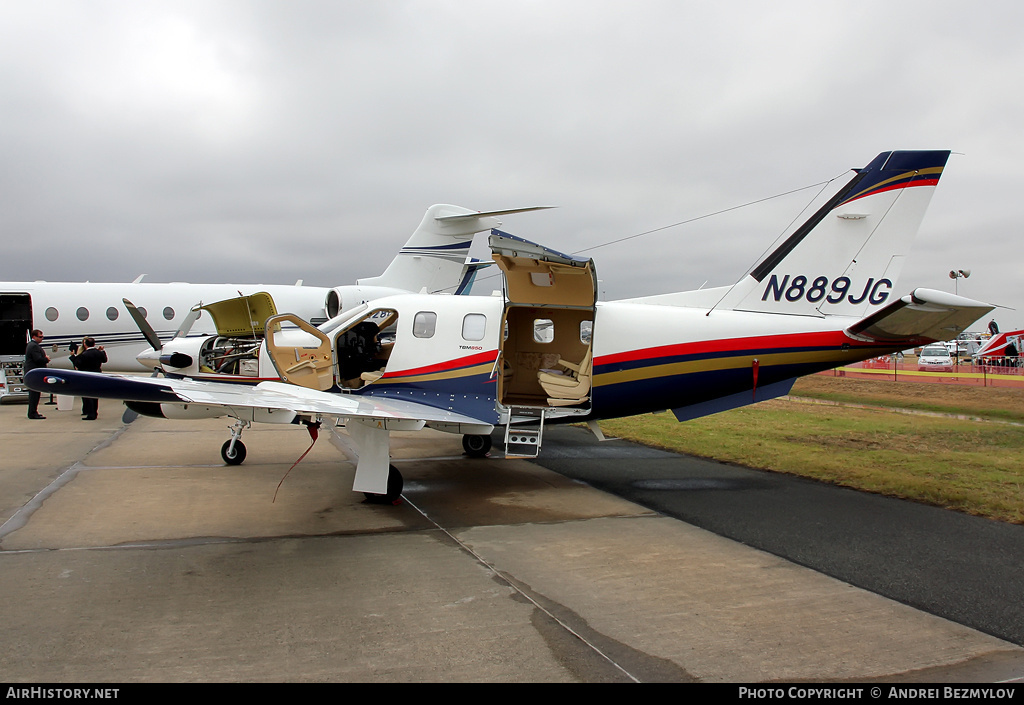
column 966, row 569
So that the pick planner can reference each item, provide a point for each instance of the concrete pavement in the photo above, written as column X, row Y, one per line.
column 131, row 554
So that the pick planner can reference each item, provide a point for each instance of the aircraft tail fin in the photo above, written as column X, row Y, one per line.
column 996, row 345
column 436, row 258
column 845, row 258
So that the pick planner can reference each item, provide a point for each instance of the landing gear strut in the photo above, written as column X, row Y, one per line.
column 476, row 446
column 395, row 484
column 233, row 450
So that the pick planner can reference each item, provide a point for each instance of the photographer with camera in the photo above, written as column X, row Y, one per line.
column 89, row 358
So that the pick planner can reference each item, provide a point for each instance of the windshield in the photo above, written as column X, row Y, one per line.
column 935, row 351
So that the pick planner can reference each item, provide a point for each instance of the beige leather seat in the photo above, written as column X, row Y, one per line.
column 569, row 386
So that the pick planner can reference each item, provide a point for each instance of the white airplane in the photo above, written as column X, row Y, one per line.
column 548, row 352
column 435, row 259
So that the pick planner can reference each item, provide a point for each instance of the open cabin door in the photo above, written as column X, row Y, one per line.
column 302, row 356
column 546, row 353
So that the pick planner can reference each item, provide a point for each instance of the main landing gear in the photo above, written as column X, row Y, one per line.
column 476, row 446
column 233, row 452
column 395, row 485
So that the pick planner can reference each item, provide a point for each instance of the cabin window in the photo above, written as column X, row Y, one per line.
column 424, row 324
column 82, row 313
column 168, row 313
column 543, row 330
column 51, row 314
column 586, row 332
column 143, row 311
column 112, row 313
column 474, row 325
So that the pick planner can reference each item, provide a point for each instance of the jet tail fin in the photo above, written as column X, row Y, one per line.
column 435, row 258
column 845, row 258
column 996, row 345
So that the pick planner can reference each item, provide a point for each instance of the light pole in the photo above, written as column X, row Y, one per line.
column 956, row 275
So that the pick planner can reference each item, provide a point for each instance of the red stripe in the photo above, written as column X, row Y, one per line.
column 770, row 342
column 893, row 187
column 446, row 366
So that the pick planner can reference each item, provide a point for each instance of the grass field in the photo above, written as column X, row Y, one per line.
column 951, row 446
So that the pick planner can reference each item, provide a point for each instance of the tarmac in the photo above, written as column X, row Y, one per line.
column 130, row 553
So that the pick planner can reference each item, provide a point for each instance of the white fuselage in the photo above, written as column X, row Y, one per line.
column 68, row 311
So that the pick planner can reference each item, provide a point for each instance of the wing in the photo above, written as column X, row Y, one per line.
column 924, row 316
column 374, row 417
column 267, row 395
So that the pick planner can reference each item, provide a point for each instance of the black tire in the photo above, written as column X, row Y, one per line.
column 236, row 457
column 395, row 485
column 476, row 446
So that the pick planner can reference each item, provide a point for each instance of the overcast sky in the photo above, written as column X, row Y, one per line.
column 271, row 141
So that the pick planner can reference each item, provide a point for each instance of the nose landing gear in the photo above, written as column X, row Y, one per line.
column 233, row 450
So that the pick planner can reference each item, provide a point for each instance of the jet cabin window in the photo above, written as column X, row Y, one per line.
column 543, row 330
column 112, row 313
column 424, row 324
column 586, row 331
column 474, row 326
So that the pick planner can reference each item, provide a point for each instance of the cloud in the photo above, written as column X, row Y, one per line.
column 264, row 141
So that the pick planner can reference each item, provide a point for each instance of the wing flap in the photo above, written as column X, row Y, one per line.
column 924, row 316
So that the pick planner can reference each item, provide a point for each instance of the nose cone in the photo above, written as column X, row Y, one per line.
column 149, row 358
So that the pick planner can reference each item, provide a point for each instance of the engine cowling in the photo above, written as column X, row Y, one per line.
column 345, row 298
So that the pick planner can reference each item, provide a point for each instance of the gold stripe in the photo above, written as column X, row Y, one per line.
column 904, row 175
column 451, row 374
column 716, row 365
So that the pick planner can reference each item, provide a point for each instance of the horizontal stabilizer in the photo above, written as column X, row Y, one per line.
column 488, row 214
column 435, row 258
column 924, row 316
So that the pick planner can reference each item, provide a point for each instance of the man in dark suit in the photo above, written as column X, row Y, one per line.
column 89, row 358
column 34, row 358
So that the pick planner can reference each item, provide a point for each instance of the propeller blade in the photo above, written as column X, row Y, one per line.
column 143, row 324
column 188, row 322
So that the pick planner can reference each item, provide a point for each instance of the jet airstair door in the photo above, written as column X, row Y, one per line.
column 302, row 356
column 548, row 325
column 540, row 276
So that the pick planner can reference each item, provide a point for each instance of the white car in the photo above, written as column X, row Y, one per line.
column 935, row 358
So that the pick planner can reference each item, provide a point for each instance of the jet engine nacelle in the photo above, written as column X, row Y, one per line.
column 345, row 298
